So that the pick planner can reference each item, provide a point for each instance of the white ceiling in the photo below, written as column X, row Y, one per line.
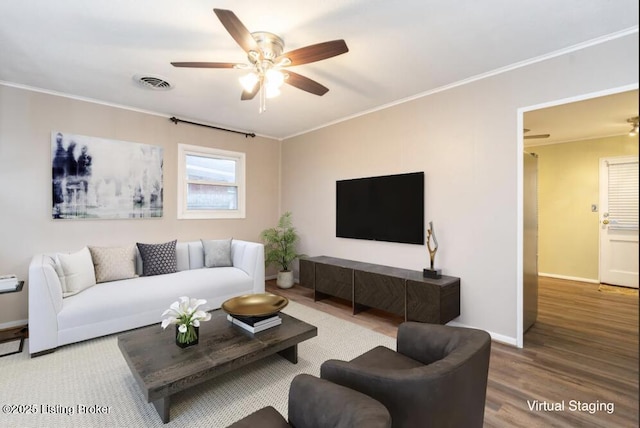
column 92, row 50
column 582, row 120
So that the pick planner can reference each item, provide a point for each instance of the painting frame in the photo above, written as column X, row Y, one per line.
column 99, row 178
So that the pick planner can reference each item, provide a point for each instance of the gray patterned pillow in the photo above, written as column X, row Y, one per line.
column 158, row 259
column 217, row 253
column 114, row 263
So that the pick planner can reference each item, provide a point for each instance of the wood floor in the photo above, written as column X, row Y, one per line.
column 582, row 352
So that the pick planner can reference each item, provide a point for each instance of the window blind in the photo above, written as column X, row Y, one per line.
column 623, row 195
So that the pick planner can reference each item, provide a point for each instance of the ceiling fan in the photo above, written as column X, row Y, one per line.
column 532, row 137
column 267, row 60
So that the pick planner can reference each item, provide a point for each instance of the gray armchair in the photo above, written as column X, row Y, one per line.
column 317, row 403
column 437, row 377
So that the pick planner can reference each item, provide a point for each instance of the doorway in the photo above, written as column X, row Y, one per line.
column 559, row 115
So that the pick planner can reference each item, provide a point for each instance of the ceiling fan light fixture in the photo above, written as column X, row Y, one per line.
column 254, row 56
column 266, row 58
column 274, row 78
column 249, row 81
column 282, row 62
column 271, row 91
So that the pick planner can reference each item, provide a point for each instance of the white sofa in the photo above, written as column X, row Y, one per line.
column 116, row 306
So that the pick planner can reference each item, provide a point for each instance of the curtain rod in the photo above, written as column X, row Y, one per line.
column 246, row 134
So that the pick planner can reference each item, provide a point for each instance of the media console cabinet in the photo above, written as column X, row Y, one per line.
column 399, row 291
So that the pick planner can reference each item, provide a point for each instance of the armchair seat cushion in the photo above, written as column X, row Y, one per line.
column 267, row 417
column 382, row 357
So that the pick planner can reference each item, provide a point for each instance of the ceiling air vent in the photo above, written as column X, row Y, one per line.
column 153, row 82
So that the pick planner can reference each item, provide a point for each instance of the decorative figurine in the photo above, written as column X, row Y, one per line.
column 432, row 273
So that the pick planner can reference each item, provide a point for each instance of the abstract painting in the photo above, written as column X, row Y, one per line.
column 98, row 178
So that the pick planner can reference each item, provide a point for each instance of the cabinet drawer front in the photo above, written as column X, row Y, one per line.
column 334, row 280
column 307, row 273
column 423, row 302
column 379, row 291
column 450, row 302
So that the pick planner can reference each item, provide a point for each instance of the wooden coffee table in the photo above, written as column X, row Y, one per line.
column 162, row 369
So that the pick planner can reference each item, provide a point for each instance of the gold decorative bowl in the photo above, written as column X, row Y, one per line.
column 255, row 305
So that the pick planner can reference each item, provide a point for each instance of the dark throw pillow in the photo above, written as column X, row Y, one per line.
column 158, row 259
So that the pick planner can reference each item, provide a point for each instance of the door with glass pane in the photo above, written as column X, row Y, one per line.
column 619, row 221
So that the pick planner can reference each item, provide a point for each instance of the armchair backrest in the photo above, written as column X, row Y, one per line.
column 317, row 403
column 453, row 379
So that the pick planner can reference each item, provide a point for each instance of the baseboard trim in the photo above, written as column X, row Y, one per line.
column 570, row 278
column 12, row 324
column 501, row 338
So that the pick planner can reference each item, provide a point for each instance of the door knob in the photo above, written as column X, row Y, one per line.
column 605, row 221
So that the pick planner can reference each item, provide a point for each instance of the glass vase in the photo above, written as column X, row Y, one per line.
column 188, row 338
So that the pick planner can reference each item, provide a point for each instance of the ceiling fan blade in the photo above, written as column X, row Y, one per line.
column 237, row 30
column 305, row 84
column 315, row 52
column 204, row 64
column 533, row 137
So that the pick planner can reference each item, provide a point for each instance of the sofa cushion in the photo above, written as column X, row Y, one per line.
column 217, row 253
column 134, row 300
column 196, row 255
column 158, row 259
column 182, row 256
column 77, row 270
column 113, row 263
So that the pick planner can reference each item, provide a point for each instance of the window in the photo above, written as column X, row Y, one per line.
column 210, row 183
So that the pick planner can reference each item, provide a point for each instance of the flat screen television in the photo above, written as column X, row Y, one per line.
column 386, row 208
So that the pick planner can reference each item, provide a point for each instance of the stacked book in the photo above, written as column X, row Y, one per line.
column 255, row 324
column 8, row 283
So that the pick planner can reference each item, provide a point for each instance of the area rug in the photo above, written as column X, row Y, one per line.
column 614, row 289
column 89, row 384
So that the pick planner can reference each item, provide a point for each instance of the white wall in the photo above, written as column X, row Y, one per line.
column 26, row 228
column 465, row 140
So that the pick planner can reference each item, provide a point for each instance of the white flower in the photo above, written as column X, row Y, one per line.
column 202, row 316
column 184, row 313
column 169, row 320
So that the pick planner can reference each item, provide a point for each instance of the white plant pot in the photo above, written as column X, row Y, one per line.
column 285, row 279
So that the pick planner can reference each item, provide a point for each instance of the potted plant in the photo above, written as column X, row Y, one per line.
column 280, row 249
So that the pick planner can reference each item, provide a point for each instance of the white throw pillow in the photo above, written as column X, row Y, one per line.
column 114, row 263
column 58, row 267
column 78, row 272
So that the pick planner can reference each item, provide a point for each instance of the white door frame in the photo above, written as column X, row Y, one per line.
column 520, row 193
